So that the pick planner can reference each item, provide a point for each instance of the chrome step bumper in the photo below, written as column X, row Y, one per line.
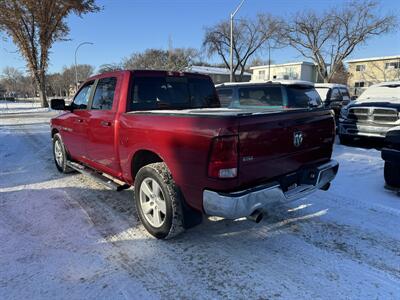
column 244, row 203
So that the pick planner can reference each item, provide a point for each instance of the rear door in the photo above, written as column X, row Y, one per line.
column 74, row 132
column 101, row 145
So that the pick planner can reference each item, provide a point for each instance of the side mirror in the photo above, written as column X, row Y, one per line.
column 354, row 97
column 57, row 104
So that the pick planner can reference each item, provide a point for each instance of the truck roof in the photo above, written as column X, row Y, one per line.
column 329, row 85
column 149, row 73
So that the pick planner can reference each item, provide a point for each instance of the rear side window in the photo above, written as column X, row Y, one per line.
column 81, row 99
column 345, row 94
column 335, row 95
column 104, row 94
column 302, row 96
column 172, row 92
column 225, row 97
column 261, row 96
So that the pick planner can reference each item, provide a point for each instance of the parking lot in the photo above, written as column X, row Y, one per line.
column 65, row 236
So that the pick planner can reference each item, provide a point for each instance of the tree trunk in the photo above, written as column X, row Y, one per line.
column 41, row 84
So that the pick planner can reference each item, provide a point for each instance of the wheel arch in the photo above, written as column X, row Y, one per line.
column 54, row 131
column 142, row 158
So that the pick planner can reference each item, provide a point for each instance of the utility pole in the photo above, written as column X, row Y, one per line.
column 269, row 61
column 76, row 70
column 231, row 40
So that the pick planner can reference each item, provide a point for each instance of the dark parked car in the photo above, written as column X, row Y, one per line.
column 375, row 112
column 333, row 96
column 391, row 156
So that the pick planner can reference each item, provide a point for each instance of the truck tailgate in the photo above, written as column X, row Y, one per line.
column 268, row 146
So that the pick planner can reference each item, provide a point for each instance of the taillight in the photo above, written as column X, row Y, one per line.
column 223, row 161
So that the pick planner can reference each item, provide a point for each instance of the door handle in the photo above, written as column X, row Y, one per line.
column 105, row 124
column 80, row 120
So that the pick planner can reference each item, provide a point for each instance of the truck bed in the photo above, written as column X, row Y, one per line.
column 266, row 149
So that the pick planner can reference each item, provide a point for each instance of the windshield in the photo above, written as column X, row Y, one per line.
column 322, row 92
column 172, row 92
column 383, row 92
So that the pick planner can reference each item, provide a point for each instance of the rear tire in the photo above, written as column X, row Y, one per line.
column 60, row 154
column 392, row 174
column 158, row 201
column 345, row 139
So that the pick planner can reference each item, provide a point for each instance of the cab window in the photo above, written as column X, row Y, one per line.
column 81, row 99
column 104, row 95
column 225, row 97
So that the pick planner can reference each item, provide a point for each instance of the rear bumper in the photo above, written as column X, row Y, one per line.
column 244, row 203
column 391, row 155
column 361, row 129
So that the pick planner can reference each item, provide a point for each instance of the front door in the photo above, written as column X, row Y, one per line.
column 74, row 132
column 101, row 149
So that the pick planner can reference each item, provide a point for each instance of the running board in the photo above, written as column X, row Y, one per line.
column 108, row 182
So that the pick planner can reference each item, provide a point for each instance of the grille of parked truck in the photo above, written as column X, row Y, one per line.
column 375, row 112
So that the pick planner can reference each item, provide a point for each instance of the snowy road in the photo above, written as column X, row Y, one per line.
column 67, row 237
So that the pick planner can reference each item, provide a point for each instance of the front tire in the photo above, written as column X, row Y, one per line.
column 392, row 174
column 60, row 154
column 158, row 201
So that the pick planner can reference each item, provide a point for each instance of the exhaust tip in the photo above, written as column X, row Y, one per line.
column 256, row 216
column 326, row 186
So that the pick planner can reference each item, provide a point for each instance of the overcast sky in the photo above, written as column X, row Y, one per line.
column 126, row 26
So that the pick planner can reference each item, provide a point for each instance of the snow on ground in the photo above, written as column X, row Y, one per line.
column 13, row 107
column 67, row 237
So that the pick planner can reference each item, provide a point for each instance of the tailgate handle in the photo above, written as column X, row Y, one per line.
column 105, row 124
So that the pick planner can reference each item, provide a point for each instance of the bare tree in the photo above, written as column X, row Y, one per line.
column 109, row 68
column 330, row 37
column 11, row 79
column 341, row 75
column 249, row 37
column 35, row 25
column 17, row 84
column 177, row 59
column 56, row 85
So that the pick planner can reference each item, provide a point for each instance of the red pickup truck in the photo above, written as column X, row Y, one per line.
column 165, row 134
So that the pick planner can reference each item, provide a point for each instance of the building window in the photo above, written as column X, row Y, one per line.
column 359, row 84
column 360, row 68
column 392, row 65
column 261, row 74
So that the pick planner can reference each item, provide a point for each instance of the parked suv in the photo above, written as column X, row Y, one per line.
column 269, row 95
column 372, row 114
column 333, row 95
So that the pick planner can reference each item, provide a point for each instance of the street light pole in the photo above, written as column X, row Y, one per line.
column 231, row 40
column 76, row 70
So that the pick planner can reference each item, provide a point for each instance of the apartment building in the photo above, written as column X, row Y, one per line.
column 302, row 70
column 368, row 71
